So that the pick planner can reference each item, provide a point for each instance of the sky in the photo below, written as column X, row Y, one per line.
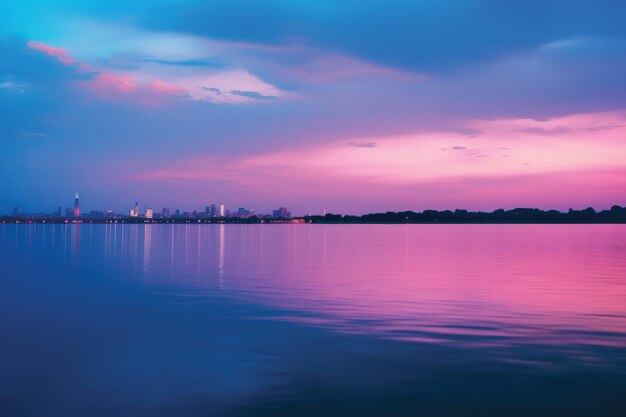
column 352, row 106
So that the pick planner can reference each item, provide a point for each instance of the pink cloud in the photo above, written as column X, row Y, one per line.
column 113, row 87
column 110, row 86
column 611, row 124
column 60, row 54
column 150, row 87
column 226, row 87
column 50, row 50
column 106, row 84
column 159, row 86
column 501, row 165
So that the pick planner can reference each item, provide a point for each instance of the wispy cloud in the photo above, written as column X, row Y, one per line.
column 12, row 86
column 363, row 144
column 252, row 94
column 150, row 85
column 60, row 54
column 31, row 135
column 189, row 63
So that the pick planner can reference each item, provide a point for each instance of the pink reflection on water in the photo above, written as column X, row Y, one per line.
column 497, row 287
column 479, row 285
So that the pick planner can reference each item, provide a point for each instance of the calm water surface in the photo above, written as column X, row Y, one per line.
column 312, row 320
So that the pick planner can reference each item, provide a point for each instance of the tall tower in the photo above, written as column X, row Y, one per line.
column 76, row 207
column 136, row 209
column 222, row 212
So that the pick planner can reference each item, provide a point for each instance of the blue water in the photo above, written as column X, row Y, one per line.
column 312, row 320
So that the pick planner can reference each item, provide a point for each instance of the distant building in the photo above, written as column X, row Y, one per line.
column 222, row 210
column 177, row 213
column 136, row 209
column 281, row 213
column 132, row 213
column 149, row 213
column 165, row 212
column 76, row 207
column 213, row 211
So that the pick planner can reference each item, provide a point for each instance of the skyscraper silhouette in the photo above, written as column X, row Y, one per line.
column 76, row 206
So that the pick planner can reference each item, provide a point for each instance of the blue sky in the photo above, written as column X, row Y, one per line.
column 352, row 106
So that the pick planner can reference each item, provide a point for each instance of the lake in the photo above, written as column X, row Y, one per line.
column 312, row 320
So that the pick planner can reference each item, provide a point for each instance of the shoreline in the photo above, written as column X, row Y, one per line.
column 196, row 222
column 615, row 215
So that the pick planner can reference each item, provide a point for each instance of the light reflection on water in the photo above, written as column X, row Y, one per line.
column 312, row 320
column 491, row 286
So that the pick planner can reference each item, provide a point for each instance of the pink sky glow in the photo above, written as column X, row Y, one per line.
column 351, row 145
column 560, row 157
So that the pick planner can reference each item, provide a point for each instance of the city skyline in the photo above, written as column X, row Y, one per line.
column 210, row 211
column 353, row 107
column 214, row 210
column 213, row 214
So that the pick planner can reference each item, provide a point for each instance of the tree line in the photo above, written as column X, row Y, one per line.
column 616, row 214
